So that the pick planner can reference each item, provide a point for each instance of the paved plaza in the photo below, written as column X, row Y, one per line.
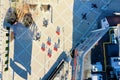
column 69, row 22
column 27, row 58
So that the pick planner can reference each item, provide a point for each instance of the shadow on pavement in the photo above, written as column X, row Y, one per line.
column 63, row 56
column 22, row 73
column 23, row 37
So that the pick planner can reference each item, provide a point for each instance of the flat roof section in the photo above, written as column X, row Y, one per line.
column 97, row 77
column 112, row 50
column 113, row 20
column 115, row 62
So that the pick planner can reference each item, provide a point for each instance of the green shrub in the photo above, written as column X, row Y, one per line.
column 6, row 62
column 6, row 69
column 7, row 48
column 14, row 0
column 8, row 28
column 7, row 34
column 6, row 55
column 7, row 41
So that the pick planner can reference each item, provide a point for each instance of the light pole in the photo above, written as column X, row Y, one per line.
column 51, row 14
column 10, row 3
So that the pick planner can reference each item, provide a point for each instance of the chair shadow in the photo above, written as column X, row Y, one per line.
column 23, row 37
column 22, row 50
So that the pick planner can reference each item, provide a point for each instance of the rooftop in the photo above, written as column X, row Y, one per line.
column 112, row 50
column 97, row 77
column 97, row 67
column 115, row 62
column 33, row 57
column 113, row 20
